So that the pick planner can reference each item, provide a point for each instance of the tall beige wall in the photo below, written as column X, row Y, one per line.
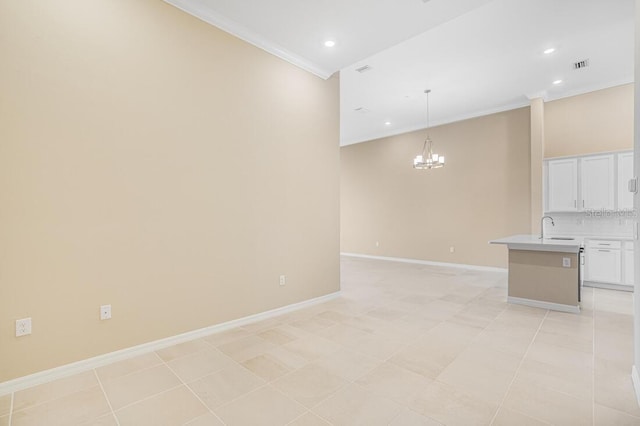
column 535, row 165
column 594, row 122
column 152, row 162
column 482, row 193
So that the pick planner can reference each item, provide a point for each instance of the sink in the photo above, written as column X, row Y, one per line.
column 561, row 238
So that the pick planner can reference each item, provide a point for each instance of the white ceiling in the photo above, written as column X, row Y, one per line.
column 477, row 56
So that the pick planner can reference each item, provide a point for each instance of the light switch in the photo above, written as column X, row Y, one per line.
column 566, row 262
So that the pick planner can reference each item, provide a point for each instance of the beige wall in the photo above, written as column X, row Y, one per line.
column 590, row 123
column 482, row 193
column 153, row 162
column 536, row 123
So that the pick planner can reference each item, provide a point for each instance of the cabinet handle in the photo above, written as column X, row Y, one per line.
column 582, row 203
column 604, row 244
column 575, row 203
column 606, row 251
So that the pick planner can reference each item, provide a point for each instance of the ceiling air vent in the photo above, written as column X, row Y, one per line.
column 361, row 110
column 363, row 68
column 581, row 64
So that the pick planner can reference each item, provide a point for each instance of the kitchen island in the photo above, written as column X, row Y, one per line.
column 544, row 273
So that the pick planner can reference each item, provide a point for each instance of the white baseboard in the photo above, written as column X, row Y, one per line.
column 428, row 262
column 635, row 378
column 544, row 305
column 108, row 358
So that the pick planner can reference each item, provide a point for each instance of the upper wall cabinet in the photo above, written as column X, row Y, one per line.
column 591, row 182
column 625, row 174
column 597, row 182
column 562, row 187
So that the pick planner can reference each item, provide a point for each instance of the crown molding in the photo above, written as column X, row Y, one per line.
column 448, row 120
column 225, row 24
column 587, row 89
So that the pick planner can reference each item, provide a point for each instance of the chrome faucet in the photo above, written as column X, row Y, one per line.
column 542, row 225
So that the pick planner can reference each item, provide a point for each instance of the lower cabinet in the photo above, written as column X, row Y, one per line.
column 609, row 262
column 604, row 265
column 628, row 263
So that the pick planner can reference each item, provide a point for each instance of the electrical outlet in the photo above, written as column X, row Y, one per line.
column 377, row 243
column 452, row 249
column 23, row 327
column 283, row 280
column 105, row 312
column 566, row 262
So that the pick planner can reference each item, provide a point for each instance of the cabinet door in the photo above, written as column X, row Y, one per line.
column 625, row 173
column 562, row 177
column 628, row 267
column 603, row 265
column 597, row 182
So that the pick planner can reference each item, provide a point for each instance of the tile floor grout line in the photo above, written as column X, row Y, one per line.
column 11, row 409
column 166, row 363
column 148, row 397
column 113, row 413
column 317, row 403
column 515, row 374
column 247, row 393
column 57, row 397
column 298, row 417
column 192, row 391
column 145, row 368
column 321, row 417
column 402, row 407
column 265, row 386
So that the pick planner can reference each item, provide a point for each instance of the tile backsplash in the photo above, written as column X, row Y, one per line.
column 604, row 224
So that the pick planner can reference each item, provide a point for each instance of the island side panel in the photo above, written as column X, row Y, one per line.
column 539, row 275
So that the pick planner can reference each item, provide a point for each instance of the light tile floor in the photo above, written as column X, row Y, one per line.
column 404, row 345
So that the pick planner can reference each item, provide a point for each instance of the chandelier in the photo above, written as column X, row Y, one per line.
column 428, row 159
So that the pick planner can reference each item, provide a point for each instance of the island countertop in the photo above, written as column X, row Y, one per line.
column 533, row 242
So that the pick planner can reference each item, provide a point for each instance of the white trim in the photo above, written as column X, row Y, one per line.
column 635, row 378
column 619, row 287
column 483, row 113
column 108, row 358
column 427, row 262
column 449, row 120
column 544, row 305
column 562, row 157
column 232, row 27
column 587, row 89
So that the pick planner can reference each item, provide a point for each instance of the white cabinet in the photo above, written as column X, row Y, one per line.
column 628, row 263
column 603, row 265
column 562, row 184
column 625, row 173
column 609, row 264
column 597, row 182
column 590, row 182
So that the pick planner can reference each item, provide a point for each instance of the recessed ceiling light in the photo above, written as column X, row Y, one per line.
column 549, row 50
column 329, row 43
column 556, row 82
column 387, row 123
